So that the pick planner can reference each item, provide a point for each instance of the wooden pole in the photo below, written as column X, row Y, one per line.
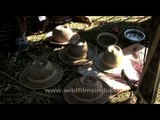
column 150, row 76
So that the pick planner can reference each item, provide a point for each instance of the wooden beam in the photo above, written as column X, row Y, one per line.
column 150, row 76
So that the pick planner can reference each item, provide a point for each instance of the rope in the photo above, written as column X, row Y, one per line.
column 10, row 77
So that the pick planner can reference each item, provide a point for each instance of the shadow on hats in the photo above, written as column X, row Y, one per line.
column 78, row 53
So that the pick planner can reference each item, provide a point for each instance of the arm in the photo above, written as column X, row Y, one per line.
column 85, row 19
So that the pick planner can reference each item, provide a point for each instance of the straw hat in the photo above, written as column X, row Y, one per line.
column 41, row 75
column 78, row 53
column 62, row 35
column 111, row 58
column 87, row 90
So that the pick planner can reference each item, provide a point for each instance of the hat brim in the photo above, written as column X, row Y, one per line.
column 99, row 64
column 91, row 54
column 51, row 40
column 36, row 86
column 70, row 99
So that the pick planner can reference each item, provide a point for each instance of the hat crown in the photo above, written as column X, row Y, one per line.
column 40, row 70
column 88, row 88
column 62, row 34
column 78, row 49
column 113, row 56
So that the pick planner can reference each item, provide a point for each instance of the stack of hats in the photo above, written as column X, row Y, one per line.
column 78, row 53
column 62, row 35
column 41, row 74
column 111, row 58
column 87, row 90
